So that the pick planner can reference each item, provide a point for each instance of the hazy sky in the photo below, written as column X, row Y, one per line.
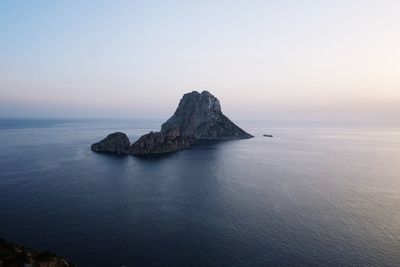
column 263, row 59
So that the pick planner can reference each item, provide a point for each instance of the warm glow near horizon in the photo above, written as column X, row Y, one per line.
column 262, row 59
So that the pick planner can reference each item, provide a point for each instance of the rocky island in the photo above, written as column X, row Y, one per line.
column 114, row 143
column 198, row 117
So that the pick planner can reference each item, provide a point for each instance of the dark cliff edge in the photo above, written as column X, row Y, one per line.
column 198, row 117
column 12, row 255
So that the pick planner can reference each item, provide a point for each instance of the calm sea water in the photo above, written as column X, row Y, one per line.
column 312, row 195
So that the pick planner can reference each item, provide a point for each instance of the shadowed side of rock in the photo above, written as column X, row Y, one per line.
column 114, row 143
column 157, row 142
column 16, row 255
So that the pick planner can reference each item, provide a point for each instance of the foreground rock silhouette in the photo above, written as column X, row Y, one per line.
column 16, row 255
column 198, row 117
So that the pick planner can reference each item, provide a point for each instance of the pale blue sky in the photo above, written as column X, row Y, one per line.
column 262, row 59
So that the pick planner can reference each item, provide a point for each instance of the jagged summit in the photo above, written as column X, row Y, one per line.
column 200, row 115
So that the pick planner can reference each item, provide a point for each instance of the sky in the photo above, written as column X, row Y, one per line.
column 279, row 60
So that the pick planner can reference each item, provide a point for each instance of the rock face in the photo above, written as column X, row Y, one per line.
column 200, row 115
column 161, row 142
column 114, row 143
column 16, row 255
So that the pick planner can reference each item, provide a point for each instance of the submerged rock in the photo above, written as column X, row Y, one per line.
column 16, row 255
column 200, row 115
column 161, row 142
column 114, row 143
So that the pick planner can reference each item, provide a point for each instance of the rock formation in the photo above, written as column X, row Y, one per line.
column 198, row 117
column 114, row 143
column 161, row 142
column 16, row 255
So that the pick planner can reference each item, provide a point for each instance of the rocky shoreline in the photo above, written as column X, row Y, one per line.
column 198, row 117
column 16, row 255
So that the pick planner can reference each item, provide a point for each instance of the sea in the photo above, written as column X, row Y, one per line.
column 317, row 193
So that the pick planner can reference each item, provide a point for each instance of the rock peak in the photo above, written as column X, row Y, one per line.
column 199, row 93
column 200, row 115
column 197, row 102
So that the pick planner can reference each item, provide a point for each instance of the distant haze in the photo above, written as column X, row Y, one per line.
column 289, row 60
